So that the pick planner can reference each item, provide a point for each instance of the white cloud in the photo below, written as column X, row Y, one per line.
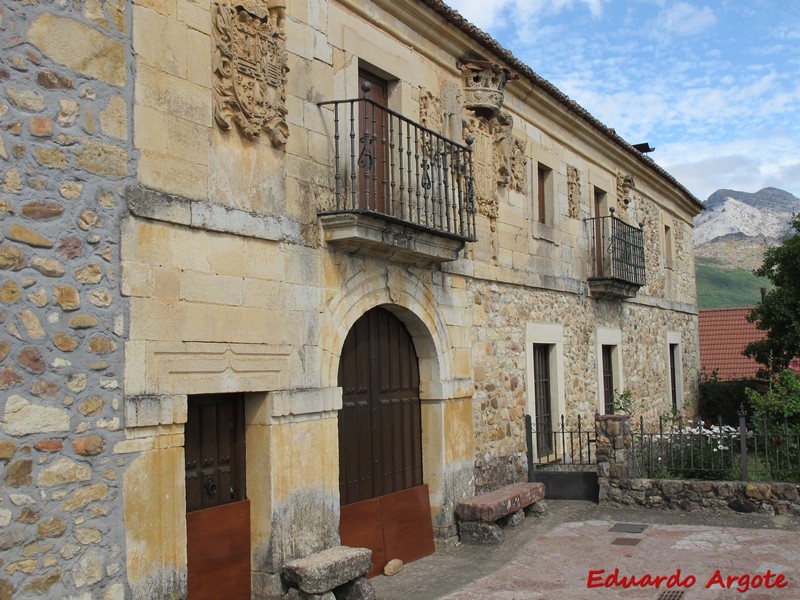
column 705, row 167
column 684, row 19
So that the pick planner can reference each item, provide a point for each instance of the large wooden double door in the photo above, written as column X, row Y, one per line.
column 385, row 506
column 380, row 445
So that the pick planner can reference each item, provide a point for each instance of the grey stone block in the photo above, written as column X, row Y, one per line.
column 514, row 519
column 360, row 589
column 477, row 532
column 326, row 570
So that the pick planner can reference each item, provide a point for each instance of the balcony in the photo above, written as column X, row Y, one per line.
column 402, row 192
column 617, row 257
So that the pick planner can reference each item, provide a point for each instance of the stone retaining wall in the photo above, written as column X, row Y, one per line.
column 619, row 488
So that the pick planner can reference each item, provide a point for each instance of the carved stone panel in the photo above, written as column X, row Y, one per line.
column 430, row 111
column 485, row 172
column 519, row 166
column 250, row 70
column 573, row 191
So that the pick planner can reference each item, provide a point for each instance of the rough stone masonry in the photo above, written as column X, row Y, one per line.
column 65, row 157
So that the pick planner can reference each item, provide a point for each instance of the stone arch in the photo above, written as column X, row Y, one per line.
column 408, row 299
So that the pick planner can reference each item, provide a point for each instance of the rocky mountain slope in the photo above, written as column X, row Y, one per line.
column 737, row 227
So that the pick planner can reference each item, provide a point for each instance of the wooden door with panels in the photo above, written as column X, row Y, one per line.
column 374, row 139
column 385, row 505
column 217, row 509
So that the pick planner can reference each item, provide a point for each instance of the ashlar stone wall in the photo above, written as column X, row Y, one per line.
column 65, row 158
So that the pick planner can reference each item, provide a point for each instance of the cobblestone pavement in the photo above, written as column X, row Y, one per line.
column 572, row 547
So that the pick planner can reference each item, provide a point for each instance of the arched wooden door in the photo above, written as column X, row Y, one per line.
column 385, row 505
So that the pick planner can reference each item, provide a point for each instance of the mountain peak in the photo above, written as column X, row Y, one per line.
column 767, row 212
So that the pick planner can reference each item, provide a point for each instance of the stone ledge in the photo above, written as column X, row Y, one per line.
column 385, row 239
column 160, row 206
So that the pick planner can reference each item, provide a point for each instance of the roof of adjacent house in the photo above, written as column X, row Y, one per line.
column 724, row 332
column 488, row 42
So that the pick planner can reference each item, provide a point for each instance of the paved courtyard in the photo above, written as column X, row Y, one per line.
column 579, row 550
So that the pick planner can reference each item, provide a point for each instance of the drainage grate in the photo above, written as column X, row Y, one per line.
column 670, row 595
column 625, row 542
column 629, row 527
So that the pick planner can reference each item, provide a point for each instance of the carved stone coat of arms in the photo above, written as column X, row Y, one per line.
column 250, row 71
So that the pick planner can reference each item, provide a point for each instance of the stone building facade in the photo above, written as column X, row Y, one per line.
column 175, row 234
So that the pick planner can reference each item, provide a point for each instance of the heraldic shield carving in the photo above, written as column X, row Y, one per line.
column 250, row 71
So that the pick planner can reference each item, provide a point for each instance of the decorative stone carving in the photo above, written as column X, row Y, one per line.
column 430, row 111
column 451, row 111
column 485, row 172
column 625, row 184
column 519, row 166
column 484, row 86
column 503, row 147
column 250, row 70
column 573, row 191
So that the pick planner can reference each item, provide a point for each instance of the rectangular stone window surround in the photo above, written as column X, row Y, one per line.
column 546, row 229
column 674, row 345
column 552, row 335
column 608, row 337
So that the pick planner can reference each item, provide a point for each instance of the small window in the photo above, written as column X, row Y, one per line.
column 542, row 392
column 608, row 378
column 669, row 256
column 544, row 195
column 674, row 377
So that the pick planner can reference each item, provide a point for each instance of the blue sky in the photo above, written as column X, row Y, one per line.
column 714, row 86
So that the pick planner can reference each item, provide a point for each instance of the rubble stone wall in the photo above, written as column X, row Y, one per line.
column 65, row 157
column 620, row 487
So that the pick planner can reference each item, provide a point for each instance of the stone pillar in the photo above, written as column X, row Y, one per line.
column 155, row 495
column 447, row 454
column 292, row 479
column 614, row 442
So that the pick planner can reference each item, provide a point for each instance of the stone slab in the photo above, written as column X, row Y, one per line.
column 326, row 570
column 495, row 505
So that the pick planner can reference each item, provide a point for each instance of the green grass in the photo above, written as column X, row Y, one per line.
column 727, row 288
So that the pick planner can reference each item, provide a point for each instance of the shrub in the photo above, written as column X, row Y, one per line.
column 722, row 399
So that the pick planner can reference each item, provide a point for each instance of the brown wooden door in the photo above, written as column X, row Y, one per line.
column 374, row 136
column 380, row 440
column 218, row 513
column 385, row 505
column 214, row 448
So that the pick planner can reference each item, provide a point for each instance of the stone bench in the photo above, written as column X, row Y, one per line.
column 482, row 518
column 336, row 573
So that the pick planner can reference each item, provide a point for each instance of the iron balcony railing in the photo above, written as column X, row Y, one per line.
column 388, row 165
column 617, row 249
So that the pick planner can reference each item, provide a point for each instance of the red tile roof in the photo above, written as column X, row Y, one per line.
column 724, row 332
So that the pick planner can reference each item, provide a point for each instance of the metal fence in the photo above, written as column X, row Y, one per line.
column 567, row 445
column 388, row 165
column 752, row 452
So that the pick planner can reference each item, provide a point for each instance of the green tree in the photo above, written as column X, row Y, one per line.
column 779, row 312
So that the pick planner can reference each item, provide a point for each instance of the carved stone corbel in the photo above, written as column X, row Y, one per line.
column 484, row 86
